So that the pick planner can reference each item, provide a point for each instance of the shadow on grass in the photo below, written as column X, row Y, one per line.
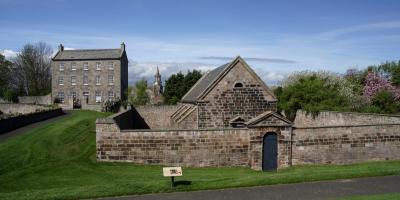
column 177, row 183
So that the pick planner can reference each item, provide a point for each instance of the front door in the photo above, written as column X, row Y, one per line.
column 270, row 152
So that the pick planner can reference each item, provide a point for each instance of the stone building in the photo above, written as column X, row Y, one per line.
column 229, row 118
column 90, row 76
column 227, row 96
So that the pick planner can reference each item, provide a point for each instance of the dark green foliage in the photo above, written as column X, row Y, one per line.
column 112, row 106
column 311, row 94
column 385, row 103
column 10, row 95
column 178, row 85
column 4, row 75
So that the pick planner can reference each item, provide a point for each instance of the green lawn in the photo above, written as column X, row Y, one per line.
column 57, row 161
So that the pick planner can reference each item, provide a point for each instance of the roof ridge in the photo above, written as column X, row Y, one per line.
column 90, row 49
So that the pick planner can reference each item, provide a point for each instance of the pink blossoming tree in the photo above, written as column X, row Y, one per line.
column 374, row 84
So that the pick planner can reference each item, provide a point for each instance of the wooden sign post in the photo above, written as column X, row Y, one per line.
column 172, row 172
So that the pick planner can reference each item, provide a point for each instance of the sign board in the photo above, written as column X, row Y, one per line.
column 172, row 171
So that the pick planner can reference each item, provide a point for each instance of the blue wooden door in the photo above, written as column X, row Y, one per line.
column 270, row 152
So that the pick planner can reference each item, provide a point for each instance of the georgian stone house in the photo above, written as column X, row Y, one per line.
column 228, row 96
column 91, row 76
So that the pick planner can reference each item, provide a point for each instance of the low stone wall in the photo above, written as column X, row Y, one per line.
column 41, row 100
column 327, row 138
column 18, row 108
column 341, row 138
column 199, row 148
column 12, row 123
column 157, row 117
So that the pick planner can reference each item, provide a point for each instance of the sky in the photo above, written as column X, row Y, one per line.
column 276, row 38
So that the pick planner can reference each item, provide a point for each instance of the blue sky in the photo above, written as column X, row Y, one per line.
column 277, row 37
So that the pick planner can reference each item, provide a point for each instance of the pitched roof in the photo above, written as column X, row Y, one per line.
column 210, row 79
column 202, row 84
column 88, row 54
column 266, row 115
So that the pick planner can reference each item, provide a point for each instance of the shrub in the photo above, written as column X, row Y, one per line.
column 112, row 106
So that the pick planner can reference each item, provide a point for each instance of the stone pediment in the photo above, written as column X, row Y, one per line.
column 268, row 118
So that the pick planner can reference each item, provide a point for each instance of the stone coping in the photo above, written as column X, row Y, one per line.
column 342, row 126
column 357, row 113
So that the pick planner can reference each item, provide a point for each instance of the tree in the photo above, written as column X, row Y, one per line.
column 5, row 66
column 313, row 92
column 137, row 95
column 30, row 73
column 178, row 85
column 384, row 102
column 375, row 84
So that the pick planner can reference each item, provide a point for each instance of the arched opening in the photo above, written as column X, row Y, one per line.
column 238, row 85
column 270, row 152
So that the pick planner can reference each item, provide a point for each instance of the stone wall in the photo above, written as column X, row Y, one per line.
column 42, row 100
column 225, row 102
column 18, row 108
column 343, row 118
column 328, row 138
column 342, row 138
column 157, row 117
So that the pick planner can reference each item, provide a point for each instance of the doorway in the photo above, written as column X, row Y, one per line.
column 270, row 152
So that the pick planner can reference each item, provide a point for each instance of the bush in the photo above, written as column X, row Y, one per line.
column 385, row 102
column 112, row 106
column 57, row 100
column 77, row 103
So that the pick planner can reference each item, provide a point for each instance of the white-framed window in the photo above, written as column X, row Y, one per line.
column 61, row 66
column 85, row 80
column 98, row 80
column 73, row 66
column 73, row 80
column 110, row 95
column 98, row 66
column 86, row 93
column 60, row 96
column 98, row 97
column 61, row 80
column 110, row 66
column 85, row 66
column 110, row 79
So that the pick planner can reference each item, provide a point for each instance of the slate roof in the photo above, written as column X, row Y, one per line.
column 88, row 54
column 202, row 84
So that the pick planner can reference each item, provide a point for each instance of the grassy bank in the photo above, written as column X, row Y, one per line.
column 57, row 161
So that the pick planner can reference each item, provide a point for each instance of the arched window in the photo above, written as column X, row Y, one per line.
column 238, row 85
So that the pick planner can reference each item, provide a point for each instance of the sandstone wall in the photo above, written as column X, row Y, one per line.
column 42, row 100
column 342, row 138
column 157, row 117
column 224, row 102
column 17, row 108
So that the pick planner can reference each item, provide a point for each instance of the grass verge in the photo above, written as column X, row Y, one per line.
column 58, row 161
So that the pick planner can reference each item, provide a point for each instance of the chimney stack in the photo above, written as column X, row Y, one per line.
column 123, row 46
column 61, row 47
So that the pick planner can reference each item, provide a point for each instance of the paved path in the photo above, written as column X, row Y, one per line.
column 312, row 190
column 24, row 129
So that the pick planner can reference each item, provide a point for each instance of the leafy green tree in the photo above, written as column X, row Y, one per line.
column 137, row 95
column 384, row 102
column 312, row 94
column 177, row 85
column 5, row 67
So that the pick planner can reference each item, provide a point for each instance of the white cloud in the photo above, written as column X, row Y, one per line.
column 147, row 69
column 8, row 53
column 365, row 27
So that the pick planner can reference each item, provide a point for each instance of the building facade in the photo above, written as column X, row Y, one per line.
column 227, row 96
column 89, row 76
